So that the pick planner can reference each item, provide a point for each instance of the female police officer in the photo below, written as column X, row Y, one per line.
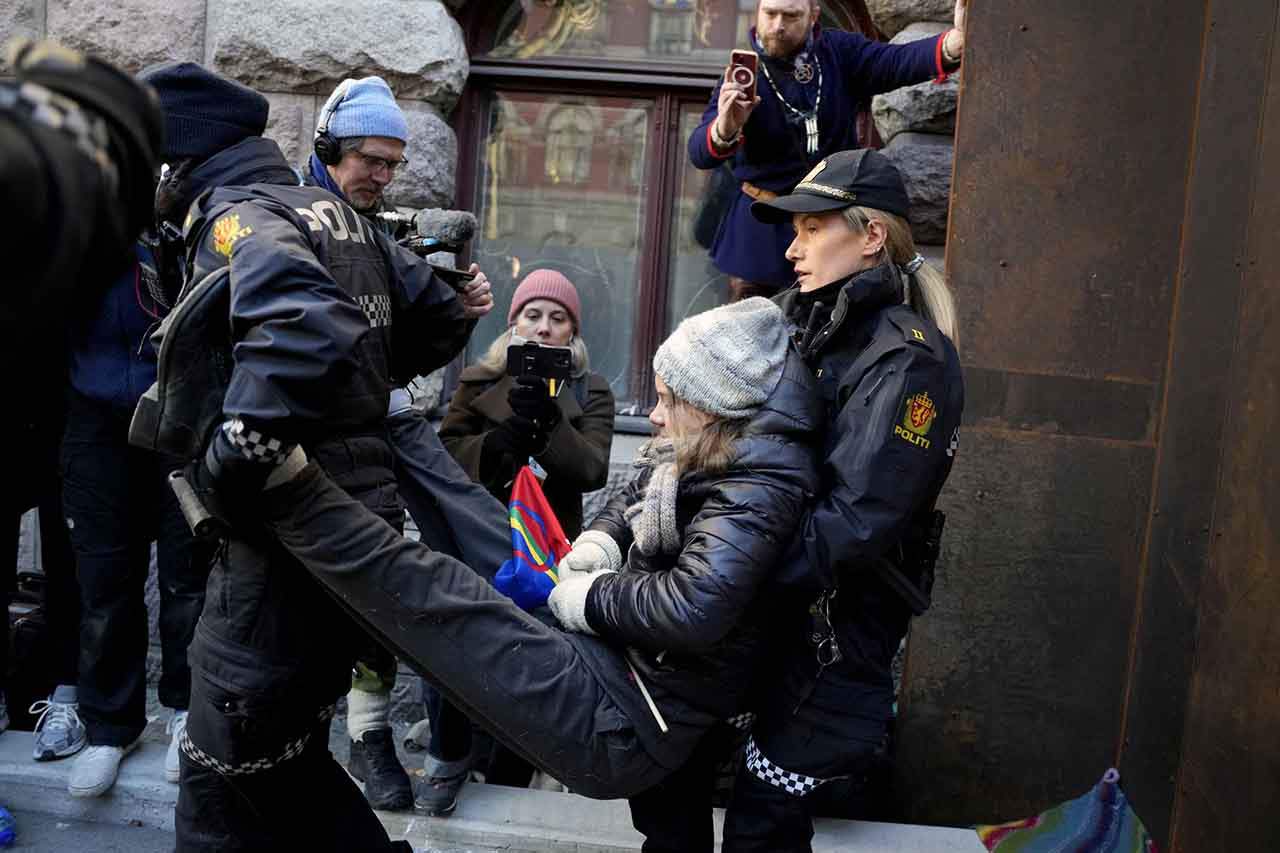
column 877, row 327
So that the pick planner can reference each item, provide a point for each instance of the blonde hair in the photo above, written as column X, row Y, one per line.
column 927, row 291
column 494, row 360
column 709, row 449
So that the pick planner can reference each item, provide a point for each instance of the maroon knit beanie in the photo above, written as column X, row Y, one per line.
column 547, row 284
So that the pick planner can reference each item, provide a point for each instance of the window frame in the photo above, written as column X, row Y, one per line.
column 669, row 84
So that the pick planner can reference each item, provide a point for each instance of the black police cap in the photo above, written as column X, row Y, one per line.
column 861, row 177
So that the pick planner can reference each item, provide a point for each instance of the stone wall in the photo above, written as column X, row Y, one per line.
column 415, row 44
column 917, row 123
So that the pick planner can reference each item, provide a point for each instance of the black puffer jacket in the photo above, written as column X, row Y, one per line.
column 694, row 622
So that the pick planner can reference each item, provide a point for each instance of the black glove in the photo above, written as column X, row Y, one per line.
column 225, row 480
column 530, row 400
column 517, row 436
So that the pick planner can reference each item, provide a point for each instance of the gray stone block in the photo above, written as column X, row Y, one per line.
column 927, row 107
column 428, row 180
column 924, row 108
column 925, row 162
column 130, row 33
column 292, row 124
column 414, row 44
column 20, row 18
column 893, row 16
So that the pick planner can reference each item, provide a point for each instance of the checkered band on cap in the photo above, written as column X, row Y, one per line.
column 254, row 445
column 291, row 750
column 377, row 308
column 742, row 722
column 796, row 784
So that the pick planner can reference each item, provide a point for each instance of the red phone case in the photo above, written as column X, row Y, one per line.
column 746, row 61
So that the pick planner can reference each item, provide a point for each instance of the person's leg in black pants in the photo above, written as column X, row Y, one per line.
column 59, row 729
column 220, row 812
column 763, row 818
column 675, row 815
column 182, row 566
column 109, row 505
column 448, row 754
column 61, row 588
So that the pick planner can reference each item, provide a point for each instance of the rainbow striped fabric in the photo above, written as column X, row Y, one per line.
column 537, row 544
column 1099, row 822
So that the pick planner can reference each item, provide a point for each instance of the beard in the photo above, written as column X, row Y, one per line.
column 781, row 47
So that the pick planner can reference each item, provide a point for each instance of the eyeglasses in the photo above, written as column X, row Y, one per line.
column 374, row 164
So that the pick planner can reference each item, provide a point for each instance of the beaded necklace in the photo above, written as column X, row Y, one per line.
column 810, row 118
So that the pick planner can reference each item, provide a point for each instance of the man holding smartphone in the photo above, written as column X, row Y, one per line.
column 796, row 106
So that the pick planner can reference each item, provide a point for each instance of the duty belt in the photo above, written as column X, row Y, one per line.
column 292, row 749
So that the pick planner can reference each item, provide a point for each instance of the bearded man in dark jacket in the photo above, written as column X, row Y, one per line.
column 325, row 314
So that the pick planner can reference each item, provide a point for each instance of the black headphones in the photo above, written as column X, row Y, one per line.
column 326, row 145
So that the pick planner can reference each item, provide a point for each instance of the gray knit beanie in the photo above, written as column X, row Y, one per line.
column 728, row 360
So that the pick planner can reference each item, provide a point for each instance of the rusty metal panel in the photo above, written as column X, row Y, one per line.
column 1221, row 192
column 1015, row 677
column 1071, row 405
column 1229, row 782
column 1072, row 152
column 1071, row 162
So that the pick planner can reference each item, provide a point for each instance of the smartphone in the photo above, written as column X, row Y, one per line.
column 457, row 279
column 534, row 359
column 742, row 70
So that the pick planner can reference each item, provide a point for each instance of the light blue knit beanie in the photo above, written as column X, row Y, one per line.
column 728, row 360
column 367, row 108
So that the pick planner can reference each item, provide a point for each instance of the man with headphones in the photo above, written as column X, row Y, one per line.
column 359, row 143
column 360, row 139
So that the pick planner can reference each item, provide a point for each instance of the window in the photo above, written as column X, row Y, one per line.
column 570, row 134
column 573, row 132
column 671, row 29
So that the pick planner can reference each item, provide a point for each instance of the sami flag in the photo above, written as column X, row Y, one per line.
column 537, row 544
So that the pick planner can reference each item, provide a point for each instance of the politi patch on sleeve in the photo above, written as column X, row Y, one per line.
column 918, row 414
column 226, row 231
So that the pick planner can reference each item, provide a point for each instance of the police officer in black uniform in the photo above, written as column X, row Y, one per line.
column 877, row 327
column 326, row 314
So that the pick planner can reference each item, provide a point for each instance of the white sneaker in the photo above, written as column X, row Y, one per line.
column 172, row 766
column 95, row 770
column 58, row 730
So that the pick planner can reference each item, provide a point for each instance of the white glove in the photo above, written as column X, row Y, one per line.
column 593, row 551
column 568, row 600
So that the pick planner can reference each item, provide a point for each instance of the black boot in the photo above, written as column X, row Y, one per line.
column 374, row 762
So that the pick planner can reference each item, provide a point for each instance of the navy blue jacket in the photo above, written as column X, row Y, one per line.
column 772, row 154
column 111, row 359
column 894, row 397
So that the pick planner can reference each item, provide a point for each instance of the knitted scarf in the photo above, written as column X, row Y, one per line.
column 653, row 518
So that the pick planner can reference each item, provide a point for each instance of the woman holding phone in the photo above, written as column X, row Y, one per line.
column 494, row 425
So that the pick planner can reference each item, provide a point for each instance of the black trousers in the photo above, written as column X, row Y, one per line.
column 39, row 485
column 307, row 802
column 563, row 701
column 456, row 741
column 675, row 815
column 762, row 818
column 456, row 517
column 117, row 502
